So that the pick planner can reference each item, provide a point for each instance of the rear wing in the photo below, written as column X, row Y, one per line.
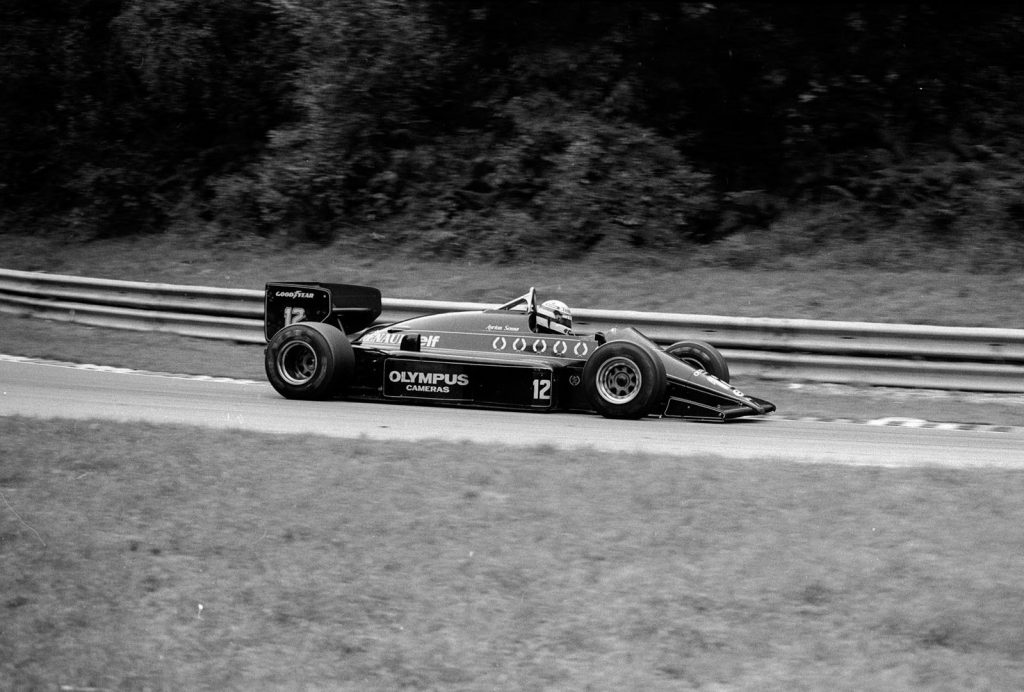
column 348, row 307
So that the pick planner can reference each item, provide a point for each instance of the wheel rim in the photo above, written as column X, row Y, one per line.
column 297, row 363
column 619, row 380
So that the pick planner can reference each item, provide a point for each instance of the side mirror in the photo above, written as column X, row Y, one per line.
column 410, row 342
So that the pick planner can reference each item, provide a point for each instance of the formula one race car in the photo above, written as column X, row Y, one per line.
column 522, row 355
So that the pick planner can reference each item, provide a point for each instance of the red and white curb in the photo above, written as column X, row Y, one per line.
column 897, row 422
column 124, row 371
column 931, row 425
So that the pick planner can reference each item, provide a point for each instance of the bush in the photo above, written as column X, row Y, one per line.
column 564, row 182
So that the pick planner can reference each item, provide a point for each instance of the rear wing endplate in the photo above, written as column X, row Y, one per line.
column 348, row 307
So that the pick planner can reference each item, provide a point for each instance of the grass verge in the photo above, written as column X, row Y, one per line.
column 800, row 287
column 140, row 557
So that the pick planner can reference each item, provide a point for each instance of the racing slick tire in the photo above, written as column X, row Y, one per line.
column 702, row 356
column 309, row 360
column 623, row 380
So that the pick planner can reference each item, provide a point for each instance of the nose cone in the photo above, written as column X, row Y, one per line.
column 759, row 407
column 697, row 394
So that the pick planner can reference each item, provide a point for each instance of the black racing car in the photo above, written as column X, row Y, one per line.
column 320, row 344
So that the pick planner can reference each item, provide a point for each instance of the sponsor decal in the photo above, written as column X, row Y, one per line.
column 559, row 347
column 395, row 338
column 719, row 383
column 406, row 378
column 293, row 294
column 382, row 337
column 574, row 380
column 431, row 382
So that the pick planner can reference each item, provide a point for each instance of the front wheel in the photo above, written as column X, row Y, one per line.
column 309, row 360
column 702, row 356
column 623, row 380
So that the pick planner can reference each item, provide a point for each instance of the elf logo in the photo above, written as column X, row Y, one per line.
column 394, row 338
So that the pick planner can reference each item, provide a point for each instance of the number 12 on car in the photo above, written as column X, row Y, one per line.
column 541, row 390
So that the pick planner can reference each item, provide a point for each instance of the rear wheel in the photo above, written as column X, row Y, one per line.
column 622, row 380
column 309, row 360
column 702, row 356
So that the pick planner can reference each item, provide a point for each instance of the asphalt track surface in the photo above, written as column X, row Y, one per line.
column 61, row 390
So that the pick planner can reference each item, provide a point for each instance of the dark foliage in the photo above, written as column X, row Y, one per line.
column 489, row 126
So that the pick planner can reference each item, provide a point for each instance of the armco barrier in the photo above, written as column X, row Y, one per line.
column 979, row 359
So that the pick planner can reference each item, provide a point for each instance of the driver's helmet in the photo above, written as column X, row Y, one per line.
column 554, row 316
